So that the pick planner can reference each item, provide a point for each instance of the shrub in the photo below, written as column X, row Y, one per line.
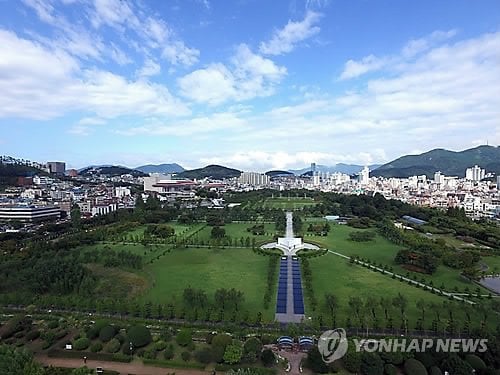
column 169, row 352
column 126, row 349
column 150, row 354
column 186, row 356
column 203, row 356
column 94, row 330
column 414, row 367
column 81, row 344
column 184, row 337
column 32, row 335
column 96, row 347
column 113, row 346
column 52, row 324
column 476, row 362
column 18, row 335
column 139, row 336
column 160, row 345
column 107, row 333
column 390, row 369
column 267, row 357
column 434, row 370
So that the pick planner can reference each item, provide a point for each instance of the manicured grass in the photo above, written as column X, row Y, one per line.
column 180, row 229
column 493, row 263
column 333, row 274
column 382, row 251
column 211, row 269
column 238, row 230
column 288, row 203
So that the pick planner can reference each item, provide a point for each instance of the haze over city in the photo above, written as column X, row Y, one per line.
column 248, row 84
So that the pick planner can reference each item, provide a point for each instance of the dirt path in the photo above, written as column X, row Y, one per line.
column 136, row 367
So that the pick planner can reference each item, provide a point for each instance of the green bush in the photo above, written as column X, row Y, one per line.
column 169, row 352
column 434, row 370
column 203, row 355
column 184, row 337
column 52, row 324
column 476, row 362
column 94, row 330
column 267, row 357
column 113, row 346
column 390, row 369
column 107, row 333
column 150, row 354
column 139, row 335
column 96, row 347
column 414, row 367
column 160, row 345
column 186, row 356
column 32, row 335
column 81, row 344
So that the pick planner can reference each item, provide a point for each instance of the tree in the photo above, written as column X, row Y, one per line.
column 76, row 217
column 315, row 361
column 415, row 367
column 186, row 356
column 267, row 357
column 218, row 232
column 184, row 337
column 252, row 349
column 233, row 353
column 18, row 362
column 371, row 364
column 203, row 355
column 139, row 336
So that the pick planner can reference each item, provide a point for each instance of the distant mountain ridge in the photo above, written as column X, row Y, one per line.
column 450, row 163
column 161, row 168
column 339, row 167
column 217, row 172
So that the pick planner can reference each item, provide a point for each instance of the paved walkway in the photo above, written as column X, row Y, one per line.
column 136, row 368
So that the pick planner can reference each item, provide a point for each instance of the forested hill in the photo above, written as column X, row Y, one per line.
column 10, row 172
column 216, row 172
column 450, row 163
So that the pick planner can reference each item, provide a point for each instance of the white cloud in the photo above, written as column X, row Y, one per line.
column 29, row 90
column 371, row 63
column 150, row 68
column 249, row 76
column 177, row 53
column 285, row 39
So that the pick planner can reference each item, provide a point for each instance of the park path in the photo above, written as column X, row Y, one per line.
column 136, row 367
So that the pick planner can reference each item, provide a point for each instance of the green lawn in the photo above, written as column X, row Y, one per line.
column 238, row 230
column 211, row 269
column 333, row 274
column 288, row 203
column 382, row 251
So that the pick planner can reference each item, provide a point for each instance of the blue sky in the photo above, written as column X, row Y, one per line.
column 249, row 84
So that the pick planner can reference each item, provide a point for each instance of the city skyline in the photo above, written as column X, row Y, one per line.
column 251, row 85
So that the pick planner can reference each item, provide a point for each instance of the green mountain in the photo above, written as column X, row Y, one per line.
column 450, row 163
column 217, row 172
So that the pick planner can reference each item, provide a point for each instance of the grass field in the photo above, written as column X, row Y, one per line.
column 211, row 269
column 238, row 230
column 332, row 274
column 382, row 251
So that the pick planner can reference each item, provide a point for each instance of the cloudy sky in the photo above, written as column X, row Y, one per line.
column 246, row 83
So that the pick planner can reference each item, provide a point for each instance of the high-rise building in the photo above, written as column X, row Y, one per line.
column 498, row 182
column 313, row 168
column 475, row 173
column 253, row 178
column 364, row 176
column 439, row 178
column 56, row 167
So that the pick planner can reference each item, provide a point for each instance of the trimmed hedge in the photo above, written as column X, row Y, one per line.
column 258, row 370
column 139, row 335
column 475, row 362
column 173, row 364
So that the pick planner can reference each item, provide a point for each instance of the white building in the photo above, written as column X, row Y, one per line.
column 103, row 209
column 439, row 178
column 254, row 179
column 475, row 173
column 122, row 191
column 29, row 213
column 364, row 176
